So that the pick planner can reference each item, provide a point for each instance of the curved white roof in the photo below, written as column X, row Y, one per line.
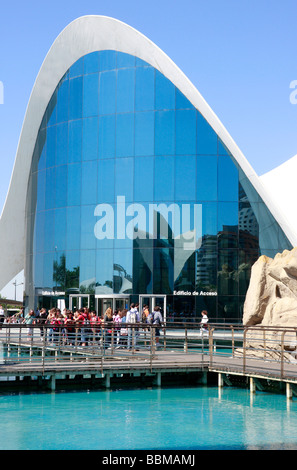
column 85, row 35
column 280, row 184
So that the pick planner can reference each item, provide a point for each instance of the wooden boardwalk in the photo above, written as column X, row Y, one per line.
column 67, row 364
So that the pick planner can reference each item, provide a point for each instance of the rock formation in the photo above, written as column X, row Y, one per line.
column 271, row 301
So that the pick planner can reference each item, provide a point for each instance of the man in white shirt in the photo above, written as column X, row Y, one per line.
column 203, row 323
column 132, row 317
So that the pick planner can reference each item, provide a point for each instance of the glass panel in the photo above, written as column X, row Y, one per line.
column 41, row 149
column 49, row 225
column 62, row 141
column 77, row 68
column 124, row 178
column 62, row 101
column 72, row 269
column 41, row 190
column 207, row 141
column 50, row 188
column 73, row 228
column 89, row 182
column 125, row 135
column 143, row 271
column 144, row 179
column 207, row 177
column 61, row 186
column 75, row 98
column 75, row 141
column 125, row 60
column 185, row 132
column 88, row 240
column 185, row 181
column 228, row 224
column 165, row 133
column 107, row 136
column 51, row 146
column 91, row 62
column 144, row 133
column 90, row 139
column 91, row 95
column 184, row 270
column 125, row 90
column 106, row 181
column 39, row 232
column 246, row 260
column 60, row 229
column 59, row 270
column 107, row 60
column 182, row 102
column 107, row 92
column 87, row 279
column 165, row 92
column 164, row 179
column 228, row 309
column 145, row 89
column 206, row 268
column 227, row 179
column 48, row 271
column 122, row 272
column 74, row 184
column 104, row 271
column 228, row 272
column 163, row 271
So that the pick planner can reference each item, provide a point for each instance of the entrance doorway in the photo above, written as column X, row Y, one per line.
column 117, row 301
column 153, row 301
column 77, row 301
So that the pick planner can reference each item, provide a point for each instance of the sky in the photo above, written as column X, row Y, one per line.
column 240, row 55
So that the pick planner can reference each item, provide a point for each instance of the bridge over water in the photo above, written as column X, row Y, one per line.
column 258, row 358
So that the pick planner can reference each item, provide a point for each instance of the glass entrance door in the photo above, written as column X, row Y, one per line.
column 77, row 301
column 114, row 302
column 153, row 301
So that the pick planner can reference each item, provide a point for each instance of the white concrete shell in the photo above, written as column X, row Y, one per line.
column 280, row 184
column 85, row 35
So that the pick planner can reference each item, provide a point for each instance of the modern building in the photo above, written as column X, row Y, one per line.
column 127, row 187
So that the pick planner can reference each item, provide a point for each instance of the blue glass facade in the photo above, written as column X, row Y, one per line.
column 117, row 132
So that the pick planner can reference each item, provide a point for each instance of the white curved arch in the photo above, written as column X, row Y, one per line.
column 85, row 35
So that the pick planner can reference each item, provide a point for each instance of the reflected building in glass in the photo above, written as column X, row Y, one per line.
column 117, row 132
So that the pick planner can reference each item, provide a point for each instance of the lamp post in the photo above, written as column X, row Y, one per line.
column 15, row 286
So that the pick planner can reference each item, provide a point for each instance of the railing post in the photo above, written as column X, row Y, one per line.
column 186, row 340
column 244, row 349
column 210, row 343
column 233, row 345
column 282, row 353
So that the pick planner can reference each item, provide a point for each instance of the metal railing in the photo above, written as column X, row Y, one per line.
column 262, row 350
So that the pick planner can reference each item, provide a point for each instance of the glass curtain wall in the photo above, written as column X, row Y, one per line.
column 116, row 138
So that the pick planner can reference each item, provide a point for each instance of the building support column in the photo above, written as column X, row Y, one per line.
column 107, row 380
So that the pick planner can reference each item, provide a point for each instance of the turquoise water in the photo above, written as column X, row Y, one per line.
column 159, row 419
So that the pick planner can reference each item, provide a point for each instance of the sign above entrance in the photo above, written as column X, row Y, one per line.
column 198, row 293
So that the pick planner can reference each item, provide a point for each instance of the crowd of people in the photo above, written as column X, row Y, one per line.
column 119, row 328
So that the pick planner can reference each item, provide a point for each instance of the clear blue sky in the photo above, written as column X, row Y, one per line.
column 240, row 54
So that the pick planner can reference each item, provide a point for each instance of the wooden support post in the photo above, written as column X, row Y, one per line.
column 107, row 380
column 159, row 379
column 289, row 391
column 220, row 380
column 252, row 385
column 53, row 383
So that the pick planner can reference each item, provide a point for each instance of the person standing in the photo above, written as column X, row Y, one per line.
column 203, row 323
column 131, row 319
column 2, row 316
column 155, row 318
